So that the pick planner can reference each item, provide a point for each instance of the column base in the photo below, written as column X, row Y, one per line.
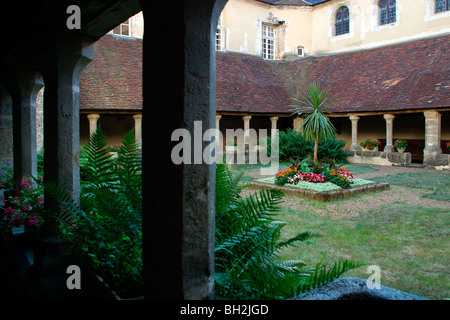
column 389, row 149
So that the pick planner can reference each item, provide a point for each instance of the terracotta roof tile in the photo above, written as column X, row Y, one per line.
column 113, row 80
column 407, row 76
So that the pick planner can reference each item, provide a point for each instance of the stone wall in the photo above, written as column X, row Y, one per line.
column 6, row 132
column 379, row 158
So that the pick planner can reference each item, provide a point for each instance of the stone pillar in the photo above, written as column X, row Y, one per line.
column 432, row 136
column 246, row 129
column 24, row 86
column 354, row 146
column 61, row 62
column 93, row 118
column 6, row 130
column 389, row 132
column 179, row 237
column 274, row 126
column 298, row 122
column 138, row 128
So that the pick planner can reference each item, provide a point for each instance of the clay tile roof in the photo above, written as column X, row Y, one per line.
column 412, row 75
column 407, row 76
column 113, row 80
column 247, row 83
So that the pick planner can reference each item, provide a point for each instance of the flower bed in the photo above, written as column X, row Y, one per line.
column 331, row 185
column 318, row 187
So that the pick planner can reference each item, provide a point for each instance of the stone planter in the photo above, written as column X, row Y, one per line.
column 400, row 150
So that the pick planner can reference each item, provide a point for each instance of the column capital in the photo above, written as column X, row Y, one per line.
column 273, row 118
column 93, row 116
column 137, row 116
column 431, row 114
column 218, row 116
column 354, row 118
column 246, row 118
column 389, row 116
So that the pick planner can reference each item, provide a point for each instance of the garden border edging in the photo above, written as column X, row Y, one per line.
column 323, row 196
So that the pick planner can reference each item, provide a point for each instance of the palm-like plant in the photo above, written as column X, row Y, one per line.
column 248, row 246
column 316, row 127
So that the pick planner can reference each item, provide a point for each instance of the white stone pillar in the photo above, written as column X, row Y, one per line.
column 246, row 129
column 432, row 134
column 274, row 126
column 298, row 122
column 389, row 132
column 354, row 146
column 138, row 129
column 93, row 118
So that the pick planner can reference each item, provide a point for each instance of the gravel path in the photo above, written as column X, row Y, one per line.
column 356, row 205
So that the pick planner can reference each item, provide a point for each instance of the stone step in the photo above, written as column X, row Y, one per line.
column 415, row 165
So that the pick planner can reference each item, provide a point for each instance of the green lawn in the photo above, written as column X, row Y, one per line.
column 438, row 182
column 410, row 244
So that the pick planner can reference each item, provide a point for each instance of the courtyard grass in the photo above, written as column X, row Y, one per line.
column 437, row 182
column 410, row 243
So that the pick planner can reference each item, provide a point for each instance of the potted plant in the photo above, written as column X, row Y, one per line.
column 400, row 145
column 448, row 146
column 371, row 145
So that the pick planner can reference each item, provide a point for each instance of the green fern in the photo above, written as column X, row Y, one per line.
column 107, row 225
column 248, row 244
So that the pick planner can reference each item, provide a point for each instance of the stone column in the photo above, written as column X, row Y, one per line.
column 298, row 122
column 246, row 129
column 179, row 238
column 389, row 132
column 93, row 118
column 274, row 126
column 138, row 128
column 432, row 136
column 61, row 62
column 24, row 86
column 354, row 146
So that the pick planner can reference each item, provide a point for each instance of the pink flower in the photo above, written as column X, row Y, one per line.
column 17, row 220
column 40, row 200
column 26, row 208
column 23, row 183
column 9, row 211
column 33, row 220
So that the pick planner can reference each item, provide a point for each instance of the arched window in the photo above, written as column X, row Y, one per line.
column 388, row 12
column 342, row 21
column 442, row 5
